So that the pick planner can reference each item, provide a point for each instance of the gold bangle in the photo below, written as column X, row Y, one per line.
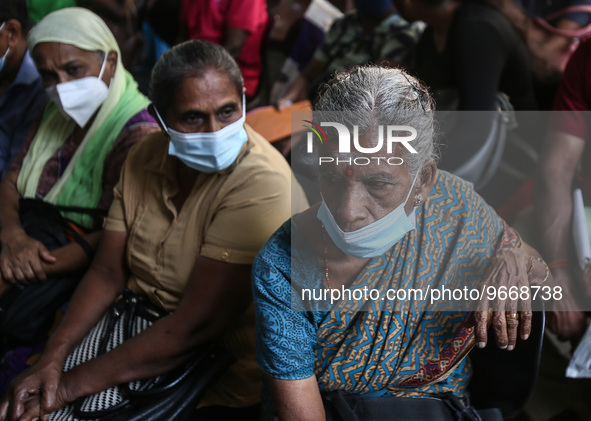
column 531, row 268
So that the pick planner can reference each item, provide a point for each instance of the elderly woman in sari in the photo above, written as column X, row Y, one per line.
column 384, row 224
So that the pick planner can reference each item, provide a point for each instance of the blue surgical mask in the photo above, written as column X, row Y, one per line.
column 374, row 239
column 3, row 59
column 208, row 151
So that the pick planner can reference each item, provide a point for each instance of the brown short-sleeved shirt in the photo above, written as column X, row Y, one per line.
column 228, row 216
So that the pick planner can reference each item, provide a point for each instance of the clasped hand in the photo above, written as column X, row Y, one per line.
column 35, row 393
column 22, row 259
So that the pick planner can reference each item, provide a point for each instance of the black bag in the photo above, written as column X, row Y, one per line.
column 444, row 407
column 172, row 396
column 27, row 312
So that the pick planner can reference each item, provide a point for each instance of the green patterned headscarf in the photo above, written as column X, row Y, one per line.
column 81, row 183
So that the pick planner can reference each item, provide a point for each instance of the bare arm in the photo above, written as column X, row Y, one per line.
column 553, row 197
column 21, row 257
column 297, row 399
column 554, row 208
column 24, row 259
column 10, row 224
column 234, row 41
column 216, row 295
column 71, row 257
column 98, row 289
column 298, row 90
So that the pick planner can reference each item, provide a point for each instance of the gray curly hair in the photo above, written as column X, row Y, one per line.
column 370, row 96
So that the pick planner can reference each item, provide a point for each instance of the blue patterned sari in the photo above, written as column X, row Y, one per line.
column 381, row 353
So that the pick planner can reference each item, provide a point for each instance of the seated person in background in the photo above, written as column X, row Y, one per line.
column 121, row 16
column 74, row 152
column 21, row 90
column 194, row 205
column 471, row 50
column 382, row 227
column 470, row 46
column 239, row 26
column 565, row 160
column 549, row 52
column 373, row 33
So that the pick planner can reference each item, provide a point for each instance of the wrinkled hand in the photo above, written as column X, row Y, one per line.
column 508, row 268
column 22, row 258
column 566, row 319
column 32, row 409
column 41, row 384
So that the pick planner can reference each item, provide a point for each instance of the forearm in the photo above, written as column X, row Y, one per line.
column 156, row 351
column 97, row 290
column 209, row 307
column 234, row 41
column 553, row 211
column 297, row 399
column 71, row 258
column 9, row 208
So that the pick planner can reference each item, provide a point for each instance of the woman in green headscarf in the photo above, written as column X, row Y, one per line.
column 76, row 149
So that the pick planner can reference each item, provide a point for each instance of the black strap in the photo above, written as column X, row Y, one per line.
column 78, row 209
column 80, row 240
column 443, row 407
column 463, row 411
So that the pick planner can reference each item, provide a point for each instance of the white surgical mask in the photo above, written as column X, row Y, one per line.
column 3, row 59
column 80, row 98
column 374, row 239
column 208, row 151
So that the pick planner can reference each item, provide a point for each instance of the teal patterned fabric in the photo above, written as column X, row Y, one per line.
column 379, row 353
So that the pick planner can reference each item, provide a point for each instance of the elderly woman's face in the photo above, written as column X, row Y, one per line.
column 59, row 63
column 358, row 195
column 204, row 104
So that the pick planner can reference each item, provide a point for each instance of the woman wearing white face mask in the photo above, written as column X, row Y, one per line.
column 333, row 324
column 194, row 205
column 71, row 159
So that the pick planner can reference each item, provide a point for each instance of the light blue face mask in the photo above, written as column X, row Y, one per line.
column 208, row 152
column 374, row 239
column 3, row 59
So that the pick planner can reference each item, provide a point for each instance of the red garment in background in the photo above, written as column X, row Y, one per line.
column 574, row 94
column 208, row 19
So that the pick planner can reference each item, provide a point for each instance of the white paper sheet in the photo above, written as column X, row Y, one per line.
column 580, row 231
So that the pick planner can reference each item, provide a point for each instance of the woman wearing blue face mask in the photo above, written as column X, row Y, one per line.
column 337, row 320
column 194, row 205
column 60, row 185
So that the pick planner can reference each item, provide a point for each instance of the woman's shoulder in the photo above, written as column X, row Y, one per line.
column 262, row 155
column 451, row 190
column 277, row 249
column 272, row 265
column 260, row 166
column 142, row 118
column 150, row 150
column 482, row 13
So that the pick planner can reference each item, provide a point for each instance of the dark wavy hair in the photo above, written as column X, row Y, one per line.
column 189, row 59
column 15, row 9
